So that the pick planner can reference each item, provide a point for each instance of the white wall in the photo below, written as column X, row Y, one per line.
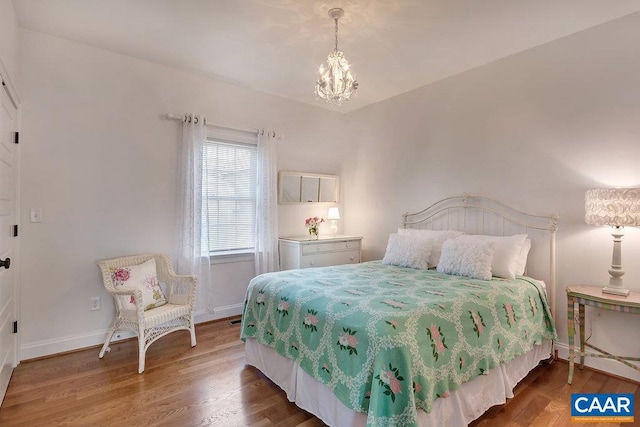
column 535, row 129
column 101, row 162
column 8, row 39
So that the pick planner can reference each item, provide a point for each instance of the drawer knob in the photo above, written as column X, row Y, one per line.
column 351, row 258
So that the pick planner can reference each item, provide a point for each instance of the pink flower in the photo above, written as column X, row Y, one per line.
column 446, row 394
column 395, row 385
column 394, row 323
column 150, row 282
column 435, row 334
column 417, row 387
column 132, row 300
column 310, row 319
column 260, row 298
column 352, row 341
column 440, row 347
column 121, row 275
column 313, row 222
column 343, row 340
column 283, row 306
column 463, row 361
column 509, row 309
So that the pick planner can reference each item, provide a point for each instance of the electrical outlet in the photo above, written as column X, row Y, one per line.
column 95, row 303
column 35, row 215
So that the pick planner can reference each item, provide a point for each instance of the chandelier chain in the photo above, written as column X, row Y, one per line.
column 336, row 34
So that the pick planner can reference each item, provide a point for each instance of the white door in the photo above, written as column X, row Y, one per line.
column 8, row 283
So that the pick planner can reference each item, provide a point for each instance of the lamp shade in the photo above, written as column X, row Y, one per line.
column 612, row 206
column 334, row 213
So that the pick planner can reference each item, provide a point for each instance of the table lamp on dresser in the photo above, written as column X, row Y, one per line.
column 333, row 215
column 616, row 207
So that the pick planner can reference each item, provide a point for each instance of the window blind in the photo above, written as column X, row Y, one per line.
column 229, row 189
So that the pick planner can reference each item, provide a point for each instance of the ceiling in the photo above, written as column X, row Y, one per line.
column 276, row 46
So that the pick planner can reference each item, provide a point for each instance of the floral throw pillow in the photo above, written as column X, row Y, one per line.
column 143, row 277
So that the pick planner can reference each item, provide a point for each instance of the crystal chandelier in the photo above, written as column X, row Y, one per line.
column 335, row 82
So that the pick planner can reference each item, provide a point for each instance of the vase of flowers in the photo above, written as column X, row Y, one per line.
column 312, row 225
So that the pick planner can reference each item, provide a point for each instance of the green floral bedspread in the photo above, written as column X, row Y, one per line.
column 389, row 339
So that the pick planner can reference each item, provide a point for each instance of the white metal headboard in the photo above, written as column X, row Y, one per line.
column 474, row 214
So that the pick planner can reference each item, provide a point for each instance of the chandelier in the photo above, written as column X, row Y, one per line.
column 335, row 82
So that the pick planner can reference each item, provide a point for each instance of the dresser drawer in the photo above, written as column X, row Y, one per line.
column 346, row 245
column 333, row 258
column 300, row 252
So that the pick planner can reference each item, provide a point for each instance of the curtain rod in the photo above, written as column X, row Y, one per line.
column 182, row 118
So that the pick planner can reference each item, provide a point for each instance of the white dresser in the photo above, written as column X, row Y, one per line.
column 300, row 252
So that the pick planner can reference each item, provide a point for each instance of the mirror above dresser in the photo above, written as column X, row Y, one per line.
column 302, row 187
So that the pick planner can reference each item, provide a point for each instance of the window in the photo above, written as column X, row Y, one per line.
column 229, row 189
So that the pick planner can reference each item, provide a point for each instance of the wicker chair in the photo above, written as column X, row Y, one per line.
column 155, row 323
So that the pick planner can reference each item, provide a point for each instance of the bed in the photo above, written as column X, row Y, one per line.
column 385, row 343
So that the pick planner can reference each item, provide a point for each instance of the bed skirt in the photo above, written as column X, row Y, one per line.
column 464, row 405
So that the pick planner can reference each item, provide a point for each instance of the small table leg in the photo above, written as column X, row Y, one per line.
column 571, row 330
column 581, row 322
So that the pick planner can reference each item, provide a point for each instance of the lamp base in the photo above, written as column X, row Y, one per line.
column 616, row 287
column 615, row 291
column 333, row 229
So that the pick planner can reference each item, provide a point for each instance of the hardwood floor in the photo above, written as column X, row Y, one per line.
column 211, row 385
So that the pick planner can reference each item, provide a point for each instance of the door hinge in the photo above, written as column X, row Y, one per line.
column 15, row 326
column 16, row 139
column 15, row 230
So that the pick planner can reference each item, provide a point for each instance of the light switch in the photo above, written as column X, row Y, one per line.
column 35, row 215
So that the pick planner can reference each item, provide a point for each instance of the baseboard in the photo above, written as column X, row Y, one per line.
column 607, row 366
column 37, row 349
column 219, row 313
column 68, row 343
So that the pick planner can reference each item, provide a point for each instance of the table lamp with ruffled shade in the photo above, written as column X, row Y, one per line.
column 616, row 207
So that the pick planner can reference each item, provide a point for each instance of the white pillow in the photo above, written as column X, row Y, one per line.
column 143, row 277
column 437, row 237
column 407, row 251
column 522, row 259
column 506, row 258
column 467, row 258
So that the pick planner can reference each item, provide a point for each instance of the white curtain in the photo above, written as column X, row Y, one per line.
column 193, row 238
column 266, row 254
